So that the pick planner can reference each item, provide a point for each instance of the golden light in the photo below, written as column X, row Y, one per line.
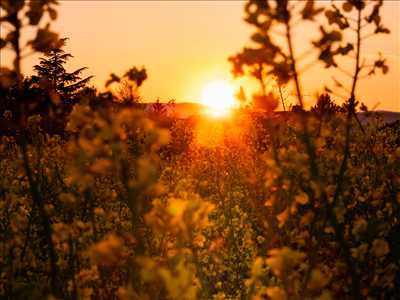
column 218, row 98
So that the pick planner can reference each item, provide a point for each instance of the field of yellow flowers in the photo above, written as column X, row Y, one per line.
column 125, row 208
column 102, row 201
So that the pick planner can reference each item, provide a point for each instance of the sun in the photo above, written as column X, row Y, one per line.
column 218, row 98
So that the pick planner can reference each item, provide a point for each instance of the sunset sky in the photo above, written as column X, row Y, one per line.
column 185, row 44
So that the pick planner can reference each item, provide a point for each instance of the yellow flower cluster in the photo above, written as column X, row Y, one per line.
column 122, row 209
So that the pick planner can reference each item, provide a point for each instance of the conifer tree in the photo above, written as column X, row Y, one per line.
column 52, row 71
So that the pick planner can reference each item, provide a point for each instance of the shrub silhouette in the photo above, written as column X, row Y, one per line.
column 129, row 84
column 51, row 74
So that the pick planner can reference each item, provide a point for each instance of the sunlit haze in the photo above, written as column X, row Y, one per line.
column 218, row 97
column 185, row 44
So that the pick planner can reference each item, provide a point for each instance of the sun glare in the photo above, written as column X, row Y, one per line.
column 218, row 98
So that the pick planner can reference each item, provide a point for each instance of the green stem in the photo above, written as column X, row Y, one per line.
column 355, row 281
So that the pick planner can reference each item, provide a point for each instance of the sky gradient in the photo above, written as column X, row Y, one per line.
column 185, row 44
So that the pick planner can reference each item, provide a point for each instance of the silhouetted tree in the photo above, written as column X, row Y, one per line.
column 129, row 84
column 297, row 109
column 50, row 93
column 325, row 106
column 52, row 74
column 20, row 101
column 324, row 109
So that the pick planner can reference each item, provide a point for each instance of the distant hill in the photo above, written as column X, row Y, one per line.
column 188, row 109
column 388, row 116
column 180, row 109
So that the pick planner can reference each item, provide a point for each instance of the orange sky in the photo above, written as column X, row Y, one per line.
column 185, row 44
